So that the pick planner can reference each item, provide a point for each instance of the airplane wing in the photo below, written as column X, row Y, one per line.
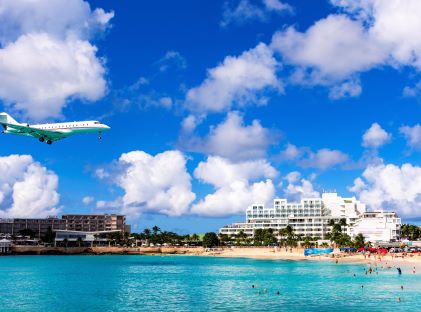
column 37, row 133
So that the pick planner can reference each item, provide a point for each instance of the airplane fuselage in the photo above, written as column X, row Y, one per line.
column 52, row 131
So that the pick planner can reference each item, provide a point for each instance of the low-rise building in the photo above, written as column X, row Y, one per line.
column 378, row 226
column 95, row 222
column 5, row 246
column 39, row 226
column 83, row 237
column 70, row 222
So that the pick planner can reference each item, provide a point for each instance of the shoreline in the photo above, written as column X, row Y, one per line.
column 264, row 253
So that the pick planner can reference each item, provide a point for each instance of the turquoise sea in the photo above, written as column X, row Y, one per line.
column 187, row 283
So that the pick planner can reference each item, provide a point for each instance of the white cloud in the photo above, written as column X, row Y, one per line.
column 38, row 73
column 27, row 189
column 232, row 139
column 321, row 159
column 237, row 81
column 412, row 135
column 276, row 5
column 349, row 88
column 246, row 11
column 390, row 187
column 172, row 59
column 157, row 183
column 189, row 123
column 237, row 185
column 364, row 34
column 87, row 200
column 318, row 48
column 375, row 136
column 45, row 56
column 299, row 187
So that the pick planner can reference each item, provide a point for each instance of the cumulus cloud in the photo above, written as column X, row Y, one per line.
column 317, row 49
column 366, row 34
column 232, row 139
column 172, row 59
column 159, row 184
column 237, row 81
column 237, row 185
column 321, row 159
column 412, row 135
column 245, row 11
column 390, row 187
column 27, row 189
column 46, row 57
column 87, row 200
column 299, row 187
column 375, row 136
column 349, row 88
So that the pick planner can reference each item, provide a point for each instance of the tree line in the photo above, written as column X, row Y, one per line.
column 262, row 237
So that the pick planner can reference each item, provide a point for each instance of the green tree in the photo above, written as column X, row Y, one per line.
column 411, row 232
column 359, row 241
column 49, row 236
column 224, row 239
column 28, row 233
column 147, row 234
column 241, row 238
column 210, row 239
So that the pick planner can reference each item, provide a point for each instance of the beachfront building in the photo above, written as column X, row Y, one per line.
column 95, row 222
column 84, row 238
column 309, row 217
column 39, row 226
column 5, row 246
column 80, row 222
column 378, row 226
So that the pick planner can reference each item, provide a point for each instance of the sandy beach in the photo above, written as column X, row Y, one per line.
column 409, row 261
column 276, row 253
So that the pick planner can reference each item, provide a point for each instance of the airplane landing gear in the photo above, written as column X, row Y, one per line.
column 41, row 139
column 49, row 142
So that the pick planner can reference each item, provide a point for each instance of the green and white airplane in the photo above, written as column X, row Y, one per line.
column 51, row 132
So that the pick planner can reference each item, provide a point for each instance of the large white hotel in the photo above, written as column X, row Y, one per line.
column 311, row 216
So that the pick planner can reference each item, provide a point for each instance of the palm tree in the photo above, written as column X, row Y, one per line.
column 156, row 230
column 195, row 238
column 241, row 237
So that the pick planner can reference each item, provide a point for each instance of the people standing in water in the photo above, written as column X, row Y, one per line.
column 399, row 271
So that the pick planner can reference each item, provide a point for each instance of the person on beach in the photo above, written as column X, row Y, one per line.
column 413, row 270
column 399, row 271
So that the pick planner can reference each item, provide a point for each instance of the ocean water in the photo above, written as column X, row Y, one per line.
column 188, row 283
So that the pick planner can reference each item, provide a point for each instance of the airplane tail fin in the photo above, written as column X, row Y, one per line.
column 7, row 119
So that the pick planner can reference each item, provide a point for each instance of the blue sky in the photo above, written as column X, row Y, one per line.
column 213, row 105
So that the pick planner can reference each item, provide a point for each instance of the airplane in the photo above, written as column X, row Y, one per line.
column 50, row 133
